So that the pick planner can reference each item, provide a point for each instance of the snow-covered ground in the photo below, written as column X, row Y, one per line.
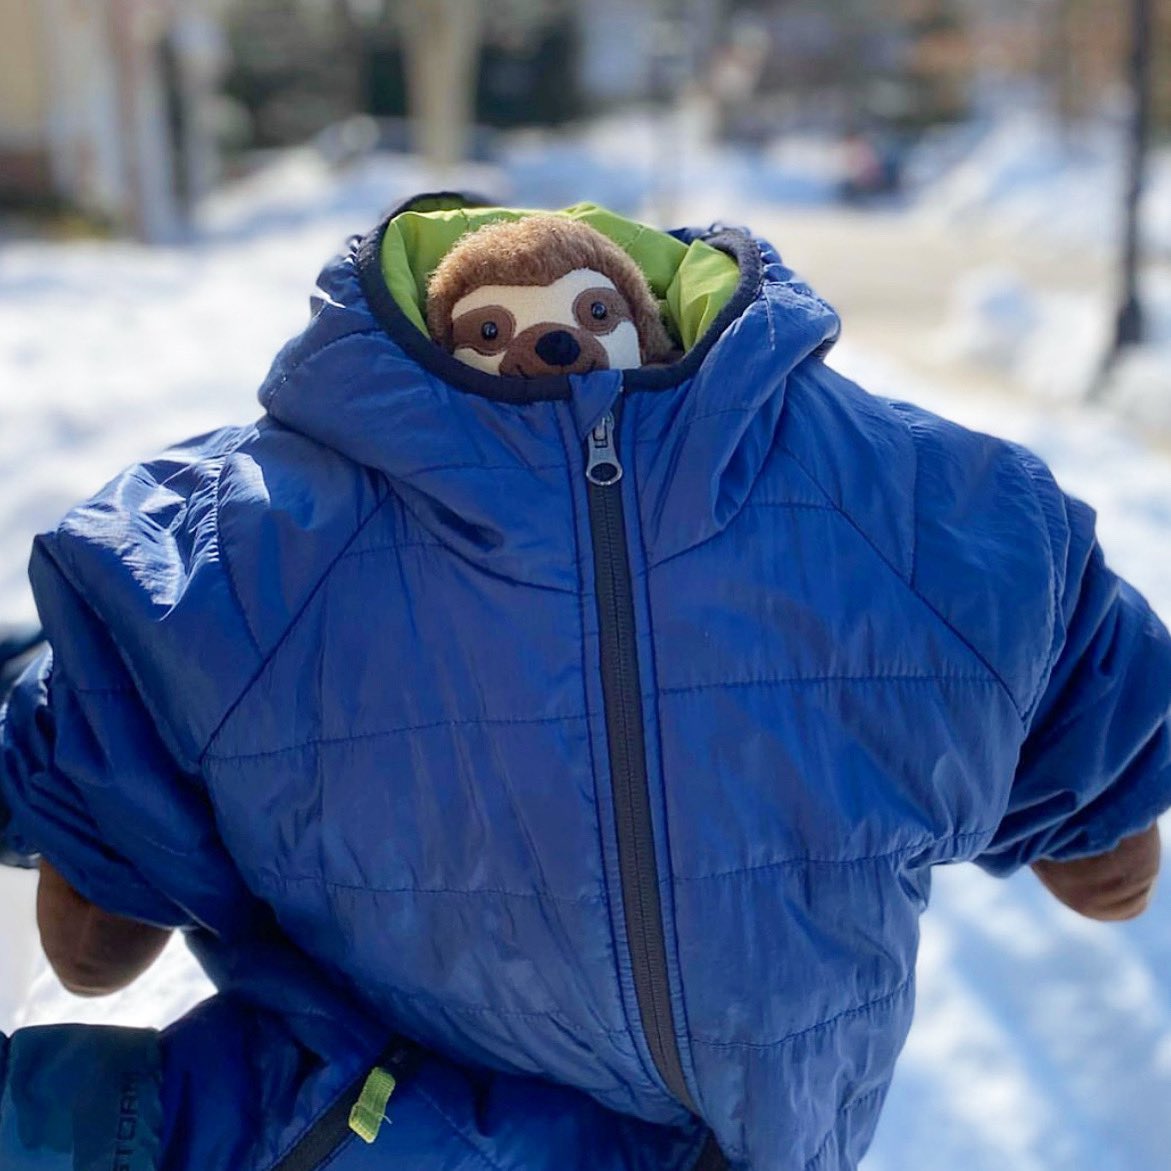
column 1042, row 1042
column 1034, row 178
column 1030, row 185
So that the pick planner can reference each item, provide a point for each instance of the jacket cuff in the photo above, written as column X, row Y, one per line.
column 17, row 650
column 13, row 852
column 80, row 1098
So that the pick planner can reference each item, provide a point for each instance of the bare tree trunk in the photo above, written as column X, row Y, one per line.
column 352, row 38
column 1056, row 64
column 1130, row 329
column 151, row 206
column 1130, row 321
column 442, row 39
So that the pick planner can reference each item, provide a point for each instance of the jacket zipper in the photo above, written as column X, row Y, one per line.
column 622, row 698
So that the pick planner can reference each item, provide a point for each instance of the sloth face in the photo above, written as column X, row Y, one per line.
column 578, row 323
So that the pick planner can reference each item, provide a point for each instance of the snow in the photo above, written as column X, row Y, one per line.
column 1041, row 1041
column 635, row 158
column 1028, row 175
column 1037, row 186
column 1052, row 342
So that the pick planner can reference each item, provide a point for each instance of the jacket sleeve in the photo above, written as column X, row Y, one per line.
column 72, row 761
column 79, row 1098
column 1095, row 763
column 100, row 738
column 88, row 1098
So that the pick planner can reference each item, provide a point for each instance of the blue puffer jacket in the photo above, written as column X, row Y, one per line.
column 634, row 785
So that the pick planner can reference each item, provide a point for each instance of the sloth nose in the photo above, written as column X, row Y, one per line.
column 558, row 348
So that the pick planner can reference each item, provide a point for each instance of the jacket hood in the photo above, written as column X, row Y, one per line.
column 485, row 462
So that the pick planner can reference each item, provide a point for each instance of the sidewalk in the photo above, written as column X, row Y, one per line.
column 892, row 276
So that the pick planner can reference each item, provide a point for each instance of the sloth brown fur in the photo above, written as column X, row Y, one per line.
column 538, row 250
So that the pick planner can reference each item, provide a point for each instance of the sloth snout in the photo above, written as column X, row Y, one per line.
column 552, row 348
column 558, row 347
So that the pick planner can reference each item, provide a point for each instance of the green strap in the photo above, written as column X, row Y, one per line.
column 369, row 1112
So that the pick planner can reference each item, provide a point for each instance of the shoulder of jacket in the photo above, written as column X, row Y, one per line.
column 197, row 563
column 971, row 522
column 859, row 453
column 286, row 508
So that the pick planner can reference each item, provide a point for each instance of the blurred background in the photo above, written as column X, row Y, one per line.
column 981, row 187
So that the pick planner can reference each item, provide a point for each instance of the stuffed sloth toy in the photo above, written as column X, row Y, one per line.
column 544, row 295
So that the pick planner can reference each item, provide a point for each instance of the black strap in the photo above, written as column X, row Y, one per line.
column 332, row 1129
column 711, row 1158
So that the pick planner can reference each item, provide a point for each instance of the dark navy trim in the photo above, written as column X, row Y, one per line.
column 441, row 201
column 511, row 389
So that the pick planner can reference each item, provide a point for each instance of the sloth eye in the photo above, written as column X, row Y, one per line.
column 598, row 311
column 489, row 331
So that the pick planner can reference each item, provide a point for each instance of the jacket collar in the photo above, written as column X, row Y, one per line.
column 484, row 462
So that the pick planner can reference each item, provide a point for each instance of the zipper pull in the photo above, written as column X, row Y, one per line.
column 603, row 467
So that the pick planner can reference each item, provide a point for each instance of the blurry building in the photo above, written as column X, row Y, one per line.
column 850, row 66
column 106, row 106
column 1079, row 50
column 299, row 69
column 617, row 49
